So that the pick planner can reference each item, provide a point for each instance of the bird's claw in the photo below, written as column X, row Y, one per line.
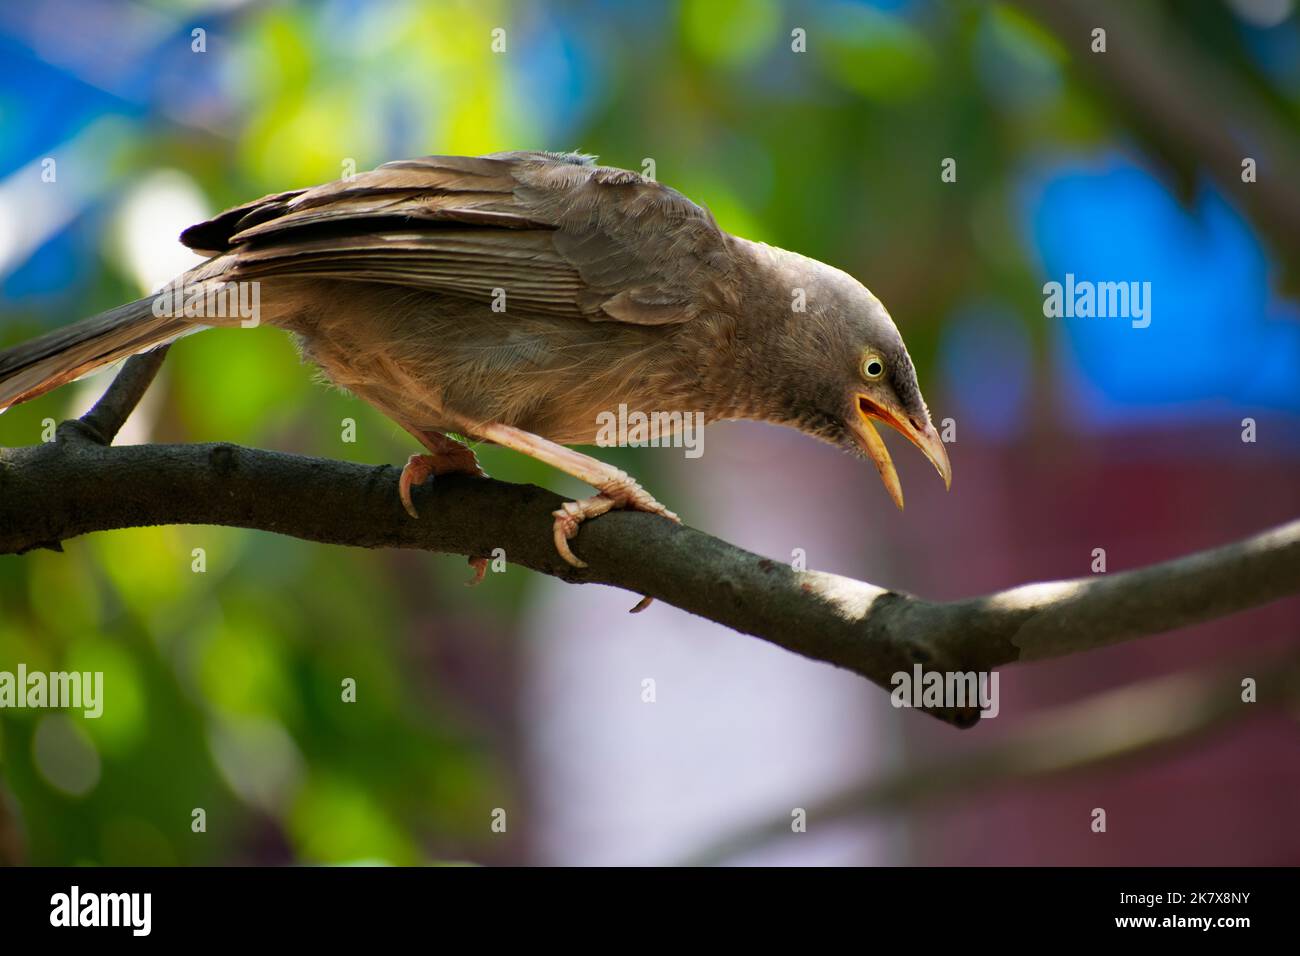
column 458, row 460
column 567, row 518
column 418, row 470
column 571, row 514
column 480, row 566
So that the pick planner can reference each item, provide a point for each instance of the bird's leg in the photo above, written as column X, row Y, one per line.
column 446, row 457
column 617, row 489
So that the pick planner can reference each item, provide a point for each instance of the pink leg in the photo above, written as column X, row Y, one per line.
column 617, row 489
column 447, row 457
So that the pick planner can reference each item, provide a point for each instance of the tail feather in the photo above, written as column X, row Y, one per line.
column 64, row 355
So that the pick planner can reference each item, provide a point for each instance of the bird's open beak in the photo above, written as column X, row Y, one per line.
column 923, row 437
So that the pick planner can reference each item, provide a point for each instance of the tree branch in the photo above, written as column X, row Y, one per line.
column 1145, row 720
column 117, row 403
column 74, row 486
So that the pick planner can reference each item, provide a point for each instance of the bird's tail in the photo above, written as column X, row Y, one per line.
column 34, row 368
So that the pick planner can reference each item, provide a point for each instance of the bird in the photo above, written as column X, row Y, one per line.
column 514, row 297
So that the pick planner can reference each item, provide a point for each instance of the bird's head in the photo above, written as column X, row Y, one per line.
column 844, row 368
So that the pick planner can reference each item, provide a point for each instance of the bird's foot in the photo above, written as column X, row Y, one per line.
column 623, row 492
column 480, row 566
column 617, row 490
column 420, row 468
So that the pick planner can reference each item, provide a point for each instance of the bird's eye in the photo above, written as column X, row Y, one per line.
column 872, row 367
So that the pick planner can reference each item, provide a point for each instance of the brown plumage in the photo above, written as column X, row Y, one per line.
column 515, row 297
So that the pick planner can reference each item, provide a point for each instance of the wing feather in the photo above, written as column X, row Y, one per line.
column 558, row 233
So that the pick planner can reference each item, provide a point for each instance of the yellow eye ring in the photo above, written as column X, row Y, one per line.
column 872, row 367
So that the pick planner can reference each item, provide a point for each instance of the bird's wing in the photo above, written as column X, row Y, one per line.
column 556, row 232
